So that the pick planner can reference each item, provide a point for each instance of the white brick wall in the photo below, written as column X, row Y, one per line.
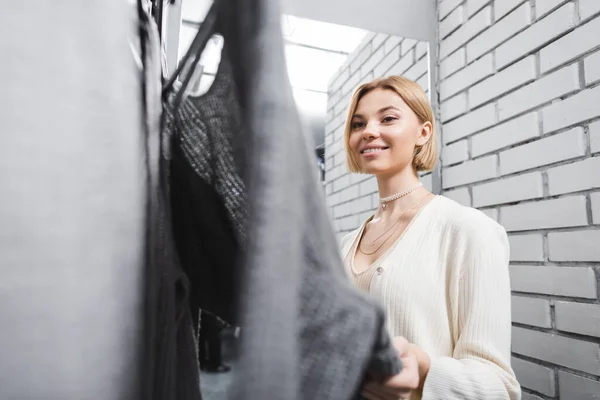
column 526, row 148
column 352, row 197
column 533, row 376
column 573, row 353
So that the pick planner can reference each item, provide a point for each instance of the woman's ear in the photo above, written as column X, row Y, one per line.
column 425, row 133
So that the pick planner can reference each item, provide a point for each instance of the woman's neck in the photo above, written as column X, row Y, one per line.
column 393, row 184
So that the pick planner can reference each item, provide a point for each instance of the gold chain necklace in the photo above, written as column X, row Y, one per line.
column 399, row 218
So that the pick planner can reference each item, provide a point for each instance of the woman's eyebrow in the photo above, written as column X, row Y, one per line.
column 380, row 111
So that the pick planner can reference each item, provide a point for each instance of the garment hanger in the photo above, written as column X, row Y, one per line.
column 205, row 32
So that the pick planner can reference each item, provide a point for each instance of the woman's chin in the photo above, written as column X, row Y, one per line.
column 373, row 170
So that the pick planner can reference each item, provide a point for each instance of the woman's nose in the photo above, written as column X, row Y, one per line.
column 370, row 131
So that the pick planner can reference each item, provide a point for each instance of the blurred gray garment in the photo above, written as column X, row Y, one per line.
column 309, row 334
column 72, row 212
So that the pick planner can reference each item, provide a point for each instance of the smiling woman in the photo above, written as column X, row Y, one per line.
column 439, row 269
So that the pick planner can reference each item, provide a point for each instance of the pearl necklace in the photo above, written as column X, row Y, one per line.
column 384, row 200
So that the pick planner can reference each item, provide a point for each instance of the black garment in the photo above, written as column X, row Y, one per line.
column 210, row 352
column 206, row 241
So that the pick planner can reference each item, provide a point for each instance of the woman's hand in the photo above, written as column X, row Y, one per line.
column 415, row 365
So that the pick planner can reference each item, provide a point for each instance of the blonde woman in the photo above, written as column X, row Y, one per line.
column 439, row 269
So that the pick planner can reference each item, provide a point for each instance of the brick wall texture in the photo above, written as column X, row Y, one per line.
column 519, row 95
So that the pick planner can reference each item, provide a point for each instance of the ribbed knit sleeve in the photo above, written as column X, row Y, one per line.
column 480, row 366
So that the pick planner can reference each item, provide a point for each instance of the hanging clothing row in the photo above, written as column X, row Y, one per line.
column 250, row 226
column 114, row 231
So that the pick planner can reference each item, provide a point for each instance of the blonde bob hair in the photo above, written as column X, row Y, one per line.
column 425, row 156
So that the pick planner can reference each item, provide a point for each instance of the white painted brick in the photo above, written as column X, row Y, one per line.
column 570, row 46
column 574, row 246
column 581, row 175
column 575, row 387
column 575, row 109
column 338, row 79
column 587, row 8
column 372, row 62
column 557, row 213
column 470, row 123
column 341, row 183
column 572, row 353
column 368, row 187
column 360, row 205
column 445, row 7
column 592, row 67
column 550, row 87
column 556, row 281
column 341, row 210
column 401, row 66
column 512, row 132
column 349, row 192
column 421, row 49
column 500, row 83
column 453, row 63
column 492, row 213
column 455, row 153
column 406, row 45
column 578, row 318
column 508, row 190
column 529, row 396
column 452, row 22
column 531, row 311
column 526, row 247
column 360, row 57
column 379, row 39
column 503, row 7
column 453, row 107
column 469, row 172
column 391, row 43
column 475, row 72
column 461, row 196
column 595, row 198
column 417, row 70
column 424, row 82
column 388, row 61
column 352, row 83
column 499, row 32
column 535, row 36
column 470, row 29
column 542, row 7
column 563, row 146
column 473, row 6
column 349, row 223
column 427, row 182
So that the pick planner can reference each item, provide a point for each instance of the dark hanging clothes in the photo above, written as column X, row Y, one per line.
column 170, row 357
column 208, row 196
column 308, row 334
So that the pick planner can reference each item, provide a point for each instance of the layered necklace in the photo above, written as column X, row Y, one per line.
column 372, row 245
column 385, row 200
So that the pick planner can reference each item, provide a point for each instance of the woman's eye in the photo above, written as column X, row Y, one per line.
column 389, row 119
column 357, row 125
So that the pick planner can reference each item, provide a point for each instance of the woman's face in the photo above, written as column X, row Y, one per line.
column 384, row 133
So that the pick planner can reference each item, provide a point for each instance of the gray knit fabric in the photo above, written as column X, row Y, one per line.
column 308, row 333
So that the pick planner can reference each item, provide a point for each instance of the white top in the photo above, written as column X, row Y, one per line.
column 444, row 285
